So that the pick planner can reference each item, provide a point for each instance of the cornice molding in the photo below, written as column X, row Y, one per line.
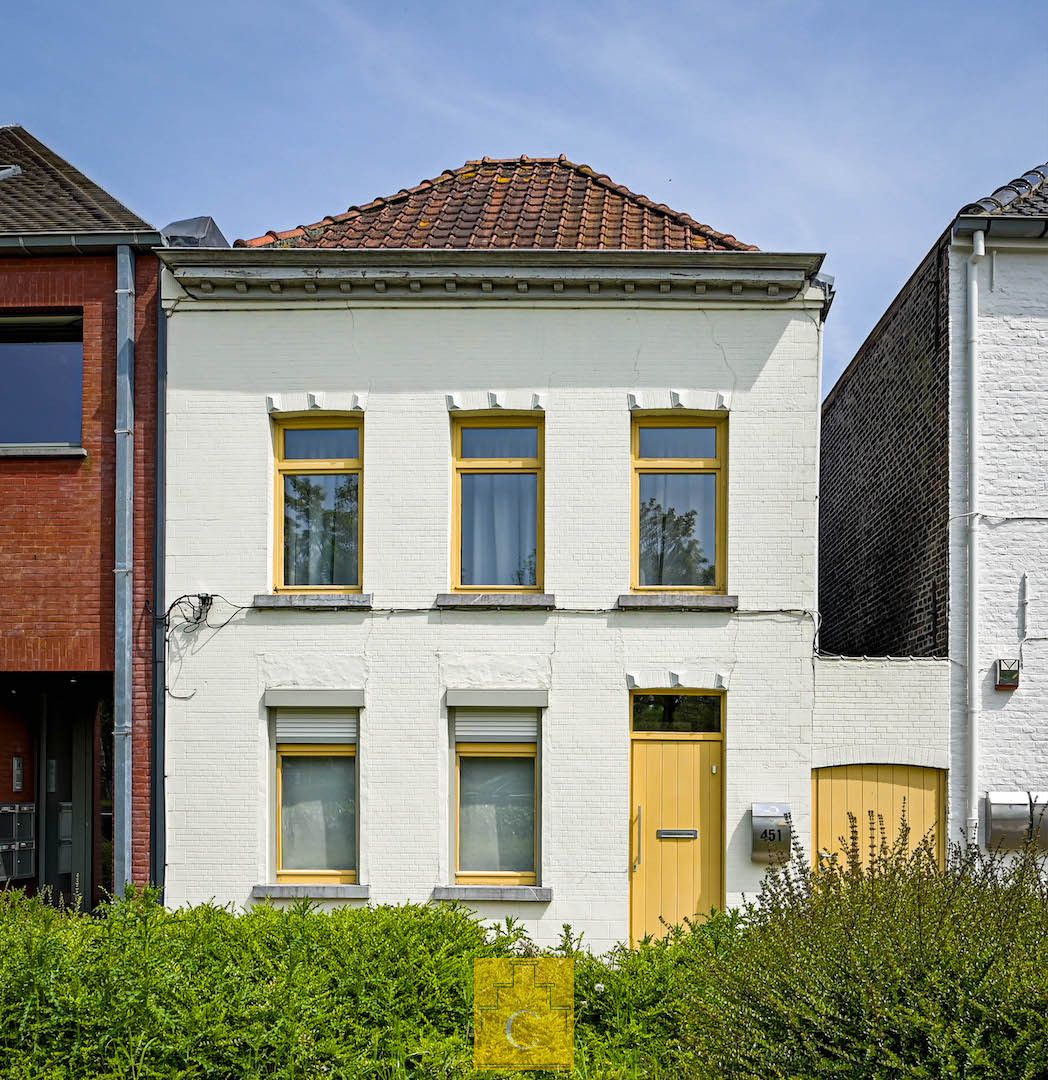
column 363, row 276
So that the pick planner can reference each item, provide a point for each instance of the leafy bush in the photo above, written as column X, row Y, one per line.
column 895, row 968
column 139, row 991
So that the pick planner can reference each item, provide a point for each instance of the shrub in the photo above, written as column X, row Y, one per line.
column 896, row 968
column 139, row 991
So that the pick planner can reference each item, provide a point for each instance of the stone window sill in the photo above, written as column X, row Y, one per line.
column 41, row 450
column 312, row 601
column 535, row 894
column 496, row 601
column 677, row 601
column 308, row 891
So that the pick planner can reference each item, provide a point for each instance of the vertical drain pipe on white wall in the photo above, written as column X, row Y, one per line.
column 973, row 695
column 122, row 571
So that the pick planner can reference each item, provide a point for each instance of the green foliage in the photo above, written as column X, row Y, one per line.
column 670, row 552
column 885, row 967
column 385, row 992
column 888, row 967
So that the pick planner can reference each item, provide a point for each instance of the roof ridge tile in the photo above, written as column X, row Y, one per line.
column 1011, row 197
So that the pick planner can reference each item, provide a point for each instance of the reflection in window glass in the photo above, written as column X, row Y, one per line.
column 678, row 528
column 496, row 814
column 321, row 529
column 695, row 713
column 499, row 528
column 485, row 442
column 325, row 444
column 41, row 384
column 678, row 442
column 318, row 813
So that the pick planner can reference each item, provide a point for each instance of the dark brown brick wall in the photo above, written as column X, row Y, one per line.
column 56, row 515
column 884, row 496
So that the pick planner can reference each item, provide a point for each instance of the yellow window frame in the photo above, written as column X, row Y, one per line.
column 325, row 877
column 494, row 877
column 316, row 467
column 717, row 466
column 690, row 736
column 464, row 466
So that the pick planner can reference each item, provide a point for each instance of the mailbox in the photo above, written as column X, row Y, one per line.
column 771, row 832
column 17, row 821
column 1010, row 814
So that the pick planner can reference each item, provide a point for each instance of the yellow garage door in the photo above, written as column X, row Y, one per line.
column 884, row 789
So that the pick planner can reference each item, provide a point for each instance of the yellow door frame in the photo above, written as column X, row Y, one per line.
column 677, row 736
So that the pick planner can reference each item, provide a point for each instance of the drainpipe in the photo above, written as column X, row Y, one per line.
column 125, row 463
column 977, row 255
column 158, row 809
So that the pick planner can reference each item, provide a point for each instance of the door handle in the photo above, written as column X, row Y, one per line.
column 640, row 837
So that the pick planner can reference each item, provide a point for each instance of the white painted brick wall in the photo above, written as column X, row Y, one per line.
column 584, row 360
column 881, row 711
column 1013, row 445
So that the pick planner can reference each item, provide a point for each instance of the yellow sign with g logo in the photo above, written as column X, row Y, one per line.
column 524, row 1013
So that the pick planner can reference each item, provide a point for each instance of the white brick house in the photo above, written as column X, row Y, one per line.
column 383, row 711
column 895, row 570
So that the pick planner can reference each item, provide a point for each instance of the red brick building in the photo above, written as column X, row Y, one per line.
column 78, row 384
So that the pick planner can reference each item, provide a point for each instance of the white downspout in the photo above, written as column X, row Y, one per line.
column 977, row 255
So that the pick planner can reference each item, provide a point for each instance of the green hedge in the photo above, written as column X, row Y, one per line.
column 899, row 969
column 892, row 967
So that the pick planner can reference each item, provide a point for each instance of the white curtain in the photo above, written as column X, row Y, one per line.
column 499, row 528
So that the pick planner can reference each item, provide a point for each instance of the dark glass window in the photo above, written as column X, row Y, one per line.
column 682, row 442
column 321, row 529
column 330, row 444
column 693, row 713
column 41, row 379
column 507, row 442
column 678, row 528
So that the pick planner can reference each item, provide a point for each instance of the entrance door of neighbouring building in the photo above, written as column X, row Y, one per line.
column 885, row 790
column 676, row 820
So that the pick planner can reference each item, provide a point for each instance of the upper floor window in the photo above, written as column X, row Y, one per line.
column 679, row 503
column 319, row 470
column 41, row 379
column 497, row 541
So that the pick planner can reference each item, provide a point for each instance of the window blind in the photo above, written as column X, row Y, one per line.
column 496, row 725
column 316, row 725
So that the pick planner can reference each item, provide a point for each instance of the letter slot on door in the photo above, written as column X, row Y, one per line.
column 771, row 832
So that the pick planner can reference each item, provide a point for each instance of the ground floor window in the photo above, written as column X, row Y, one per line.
column 316, row 798
column 496, row 786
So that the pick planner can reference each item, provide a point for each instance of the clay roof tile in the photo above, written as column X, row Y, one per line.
column 510, row 202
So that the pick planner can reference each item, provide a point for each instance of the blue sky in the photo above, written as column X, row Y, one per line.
column 854, row 129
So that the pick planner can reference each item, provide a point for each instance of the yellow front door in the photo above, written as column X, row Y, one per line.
column 676, row 857
column 886, row 790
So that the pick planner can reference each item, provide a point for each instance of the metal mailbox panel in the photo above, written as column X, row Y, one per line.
column 1009, row 815
column 771, row 832
column 25, row 861
column 25, row 823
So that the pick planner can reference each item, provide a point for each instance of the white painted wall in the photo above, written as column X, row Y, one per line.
column 1013, row 448
column 884, row 711
column 584, row 360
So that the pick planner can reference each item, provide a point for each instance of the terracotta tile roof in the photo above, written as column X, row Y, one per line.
column 1026, row 196
column 509, row 203
column 42, row 193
